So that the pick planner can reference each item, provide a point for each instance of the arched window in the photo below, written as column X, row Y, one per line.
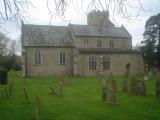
column 111, row 43
column 92, row 63
column 37, row 57
column 62, row 58
column 106, row 63
column 99, row 43
column 86, row 43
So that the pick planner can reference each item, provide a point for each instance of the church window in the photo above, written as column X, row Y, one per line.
column 99, row 43
column 92, row 63
column 106, row 63
column 62, row 58
column 85, row 43
column 37, row 58
column 111, row 43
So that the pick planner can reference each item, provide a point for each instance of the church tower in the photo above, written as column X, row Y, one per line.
column 99, row 18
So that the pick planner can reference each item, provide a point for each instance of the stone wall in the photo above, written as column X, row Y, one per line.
column 117, row 64
column 92, row 42
column 50, row 61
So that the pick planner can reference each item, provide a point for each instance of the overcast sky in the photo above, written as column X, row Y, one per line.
column 40, row 16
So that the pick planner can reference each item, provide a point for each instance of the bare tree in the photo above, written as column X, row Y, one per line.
column 115, row 7
column 12, row 47
column 16, row 10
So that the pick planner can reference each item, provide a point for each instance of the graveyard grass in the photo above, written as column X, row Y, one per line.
column 81, row 101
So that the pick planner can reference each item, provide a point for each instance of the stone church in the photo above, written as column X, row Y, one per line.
column 93, row 49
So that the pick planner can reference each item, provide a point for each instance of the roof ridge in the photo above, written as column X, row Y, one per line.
column 44, row 25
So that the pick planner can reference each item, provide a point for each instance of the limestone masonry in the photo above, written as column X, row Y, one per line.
column 93, row 49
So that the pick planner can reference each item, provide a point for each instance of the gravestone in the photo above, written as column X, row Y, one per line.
column 158, row 84
column 158, row 76
column 37, row 110
column 26, row 96
column 104, row 89
column 113, row 85
column 125, row 86
column 111, row 97
column 53, row 91
column 6, row 91
column 138, row 87
column 60, row 89
column 158, row 89
column 109, row 90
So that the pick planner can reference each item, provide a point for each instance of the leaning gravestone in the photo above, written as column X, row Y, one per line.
column 137, row 87
column 26, row 96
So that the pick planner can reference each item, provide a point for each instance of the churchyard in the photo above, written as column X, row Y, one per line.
column 79, row 98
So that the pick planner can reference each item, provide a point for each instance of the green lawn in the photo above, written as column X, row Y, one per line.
column 81, row 101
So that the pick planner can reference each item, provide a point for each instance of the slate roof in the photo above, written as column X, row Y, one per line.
column 45, row 35
column 106, row 50
column 100, row 31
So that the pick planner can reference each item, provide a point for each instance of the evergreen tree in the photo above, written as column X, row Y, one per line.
column 151, row 44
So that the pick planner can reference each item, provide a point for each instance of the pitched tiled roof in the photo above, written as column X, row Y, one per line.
column 100, row 31
column 106, row 50
column 44, row 35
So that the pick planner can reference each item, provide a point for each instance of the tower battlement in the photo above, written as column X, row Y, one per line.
column 100, row 18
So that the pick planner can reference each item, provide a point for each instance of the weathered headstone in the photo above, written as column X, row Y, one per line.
column 37, row 108
column 109, row 90
column 138, row 88
column 125, row 86
column 6, row 91
column 104, row 89
column 113, row 85
column 26, row 96
column 158, row 75
column 111, row 96
column 53, row 91
column 61, row 88
column 158, row 89
column 158, row 84
column 145, row 78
